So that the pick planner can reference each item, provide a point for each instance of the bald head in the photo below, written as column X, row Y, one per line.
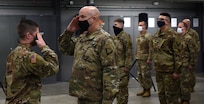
column 188, row 22
column 90, row 15
column 90, row 11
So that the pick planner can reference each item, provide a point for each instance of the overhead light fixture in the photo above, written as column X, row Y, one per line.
column 91, row 1
column 155, row 3
column 71, row 2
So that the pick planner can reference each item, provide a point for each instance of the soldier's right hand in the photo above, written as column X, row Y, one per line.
column 73, row 25
column 40, row 42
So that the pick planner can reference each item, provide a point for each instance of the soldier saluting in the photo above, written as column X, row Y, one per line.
column 94, row 78
column 25, row 68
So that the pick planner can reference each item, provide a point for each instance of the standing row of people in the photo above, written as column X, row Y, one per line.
column 174, row 54
column 102, row 62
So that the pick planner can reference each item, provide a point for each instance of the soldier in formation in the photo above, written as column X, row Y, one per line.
column 144, row 59
column 124, row 53
column 187, row 46
column 195, row 36
column 166, row 66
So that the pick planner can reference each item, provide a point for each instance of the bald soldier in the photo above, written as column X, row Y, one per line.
column 195, row 36
column 187, row 48
column 94, row 79
column 25, row 68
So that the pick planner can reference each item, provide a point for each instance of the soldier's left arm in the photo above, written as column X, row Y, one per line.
column 192, row 51
column 178, row 52
column 128, row 49
column 197, row 40
column 110, row 74
column 150, row 47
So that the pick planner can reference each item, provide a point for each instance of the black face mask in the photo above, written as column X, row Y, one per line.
column 117, row 30
column 83, row 26
column 33, row 43
column 160, row 23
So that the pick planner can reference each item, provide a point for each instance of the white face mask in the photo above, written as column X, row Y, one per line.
column 140, row 28
column 179, row 30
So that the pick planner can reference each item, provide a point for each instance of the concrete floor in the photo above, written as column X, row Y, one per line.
column 57, row 93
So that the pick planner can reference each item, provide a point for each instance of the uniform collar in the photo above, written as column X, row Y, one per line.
column 120, row 33
column 163, row 33
column 25, row 46
column 86, row 37
column 143, row 34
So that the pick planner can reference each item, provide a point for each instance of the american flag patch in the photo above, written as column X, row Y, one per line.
column 33, row 58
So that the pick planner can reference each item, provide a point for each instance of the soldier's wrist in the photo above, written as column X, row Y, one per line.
column 43, row 47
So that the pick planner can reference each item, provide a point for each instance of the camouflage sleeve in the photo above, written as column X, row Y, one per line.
column 197, row 41
column 66, row 43
column 192, row 52
column 110, row 74
column 44, row 66
column 4, row 85
column 128, row 52
column 150, row 48
column 177, row 49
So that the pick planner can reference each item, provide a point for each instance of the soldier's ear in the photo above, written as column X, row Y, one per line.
column 28, row 35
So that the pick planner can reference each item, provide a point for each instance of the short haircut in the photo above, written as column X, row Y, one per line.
column 167, row 15
column 25, row 26
column 119, row 20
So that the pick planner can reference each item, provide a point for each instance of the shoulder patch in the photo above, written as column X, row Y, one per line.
column 33, row 58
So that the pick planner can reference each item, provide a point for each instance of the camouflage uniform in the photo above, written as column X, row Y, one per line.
column 24, row 70
column 187, row 46
column 94, row 76
column 165, row 64
column 123, row 43
column 144, row 53
column 195, row 36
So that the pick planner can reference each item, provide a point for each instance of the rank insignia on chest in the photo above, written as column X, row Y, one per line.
column 108, row 51
column 33, row 58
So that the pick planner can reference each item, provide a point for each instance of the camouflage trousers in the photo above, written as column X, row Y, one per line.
column 168, row 90
column 185, row 93
column 192, row 78
column 88, row 101
column 144, row 74
column 122, row 95
column 24, row 100
column 192, row 75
